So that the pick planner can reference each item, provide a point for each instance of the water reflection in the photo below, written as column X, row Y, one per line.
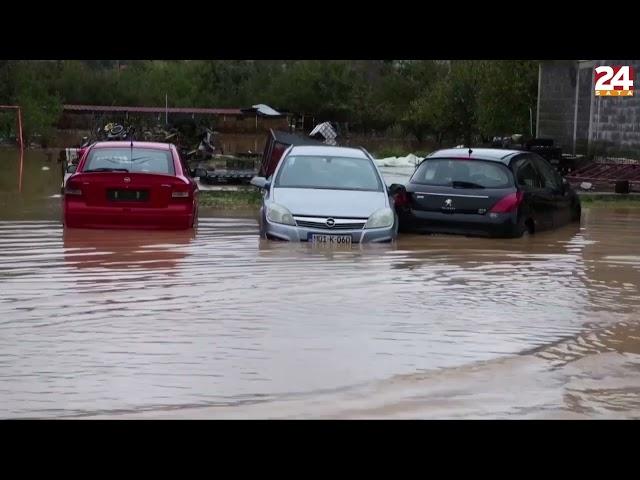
column 125, row 250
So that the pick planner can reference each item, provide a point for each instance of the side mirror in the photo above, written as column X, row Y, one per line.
column 260, row 182
column 72, row 168
column 199, row 172
column 396, row 188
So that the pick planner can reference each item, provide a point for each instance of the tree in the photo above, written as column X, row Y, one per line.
column 508, row 90
column 33, row 90
column 448, row 107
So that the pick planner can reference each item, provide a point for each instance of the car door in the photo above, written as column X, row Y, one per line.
column 558, row 196
column 536, row 198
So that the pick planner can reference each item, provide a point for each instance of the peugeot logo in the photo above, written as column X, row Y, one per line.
column 126, row 179
column 448, row 202
column 330, row 222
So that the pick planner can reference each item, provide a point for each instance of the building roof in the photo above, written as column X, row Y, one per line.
column 264, row 110
column 116, row 108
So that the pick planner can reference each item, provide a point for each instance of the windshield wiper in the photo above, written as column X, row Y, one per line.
column 461, row 184
column 106, row 170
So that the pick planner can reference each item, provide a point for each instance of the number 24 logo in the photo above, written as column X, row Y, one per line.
column 608, row 78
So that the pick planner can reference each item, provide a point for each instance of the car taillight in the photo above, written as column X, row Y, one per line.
column 508, row 204
column 181, row 194
column 401, row 199
column 73, row 188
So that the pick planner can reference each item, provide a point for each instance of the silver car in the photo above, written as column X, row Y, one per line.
column 327, row 195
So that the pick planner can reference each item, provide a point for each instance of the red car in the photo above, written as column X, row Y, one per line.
column 130, row 185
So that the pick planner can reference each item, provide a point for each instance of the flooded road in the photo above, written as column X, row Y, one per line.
column 218, row 323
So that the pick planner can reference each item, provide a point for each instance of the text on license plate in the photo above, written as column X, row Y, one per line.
column 128, row 195
column 330, row 239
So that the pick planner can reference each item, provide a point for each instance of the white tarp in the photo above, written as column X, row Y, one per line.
column 409, row 161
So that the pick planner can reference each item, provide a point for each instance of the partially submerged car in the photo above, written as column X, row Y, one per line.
column 487, row 192
column 130, row 185
column 326, row 194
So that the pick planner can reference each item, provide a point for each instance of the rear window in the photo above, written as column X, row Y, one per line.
column 136, row 160
column 463, row 173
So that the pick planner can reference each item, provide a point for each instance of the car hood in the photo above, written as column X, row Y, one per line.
column 329, row 203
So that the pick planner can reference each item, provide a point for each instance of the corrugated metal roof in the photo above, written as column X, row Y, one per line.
column 115, row 108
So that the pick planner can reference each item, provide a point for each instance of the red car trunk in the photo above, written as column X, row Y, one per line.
column 118, row 189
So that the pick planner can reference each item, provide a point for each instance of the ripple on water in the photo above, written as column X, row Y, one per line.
column 111, row 320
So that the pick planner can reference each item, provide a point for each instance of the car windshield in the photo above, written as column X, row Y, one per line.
column 326, row 172
column 136, row 160
column 461, row 173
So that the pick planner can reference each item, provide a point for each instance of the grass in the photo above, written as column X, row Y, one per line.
column 225, row 199
column 621, row 200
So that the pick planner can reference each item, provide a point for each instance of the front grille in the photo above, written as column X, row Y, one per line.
column 340, row 223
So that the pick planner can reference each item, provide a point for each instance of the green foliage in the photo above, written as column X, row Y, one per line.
column 508, row 90
column 452, row 101
column 476, row 98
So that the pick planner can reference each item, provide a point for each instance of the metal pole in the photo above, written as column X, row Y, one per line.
column 575, row 108
column 166, row 109
column 591, row 116
column 21, row 164
column 539, row 95
column 531, row 121
column 20, row 128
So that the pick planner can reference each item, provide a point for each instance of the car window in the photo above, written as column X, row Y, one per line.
column 136, row 160
column 340, row 173
column 550, row 176
column 526, row 174
column 445, row 172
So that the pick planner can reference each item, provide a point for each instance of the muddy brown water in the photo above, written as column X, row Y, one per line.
column 219, row 324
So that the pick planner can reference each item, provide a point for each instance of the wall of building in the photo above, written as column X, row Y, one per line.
column 556, row 102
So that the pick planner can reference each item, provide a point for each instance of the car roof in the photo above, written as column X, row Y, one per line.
column 330, row 150
column 489, row 154
column 127, row 144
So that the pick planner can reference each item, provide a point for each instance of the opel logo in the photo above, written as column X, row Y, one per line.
column 330, row 222
column 126, row 179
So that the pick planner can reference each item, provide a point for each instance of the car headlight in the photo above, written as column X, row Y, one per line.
column 278, row 214
column 380, row 219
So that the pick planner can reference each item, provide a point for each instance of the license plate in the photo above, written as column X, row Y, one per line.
column 128, row 195
column 321, row 239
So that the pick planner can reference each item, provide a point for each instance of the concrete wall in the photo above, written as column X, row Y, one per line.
column 583, row 115
column 557, row 101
